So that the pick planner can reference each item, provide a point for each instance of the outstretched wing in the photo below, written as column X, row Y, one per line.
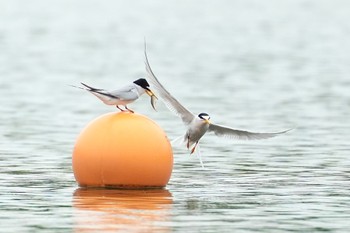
column 172, row 103
column 223, row 131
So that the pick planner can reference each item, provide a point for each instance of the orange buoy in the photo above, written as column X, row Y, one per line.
column 122, row 150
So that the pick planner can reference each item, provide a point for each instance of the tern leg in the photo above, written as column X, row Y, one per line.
column 194, row 148
column 126, row 107
column 119, row 108
column 188, row 141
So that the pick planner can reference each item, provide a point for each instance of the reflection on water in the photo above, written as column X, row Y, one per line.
column 106, row 210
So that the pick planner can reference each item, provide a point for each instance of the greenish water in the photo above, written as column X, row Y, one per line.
column 255, row 65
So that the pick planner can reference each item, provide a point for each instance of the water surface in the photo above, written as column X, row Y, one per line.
column 255, row 65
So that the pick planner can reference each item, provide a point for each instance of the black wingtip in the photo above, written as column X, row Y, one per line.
column 91, row 88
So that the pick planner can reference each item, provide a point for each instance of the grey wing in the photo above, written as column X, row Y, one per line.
column 172, row 103
column 223, row 131
column 124, row 93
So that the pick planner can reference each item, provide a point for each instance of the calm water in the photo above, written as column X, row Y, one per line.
column 256, row 65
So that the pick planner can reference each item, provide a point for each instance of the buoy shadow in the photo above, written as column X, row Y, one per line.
column 118, row 209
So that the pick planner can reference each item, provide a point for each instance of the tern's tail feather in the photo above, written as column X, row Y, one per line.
column 196, row 151
column 87, row 87
column 91, row 88
column 177, row 141
column 77, row 87
column 198, row 154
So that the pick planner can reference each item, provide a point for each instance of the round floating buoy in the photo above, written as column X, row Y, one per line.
column 122, row 150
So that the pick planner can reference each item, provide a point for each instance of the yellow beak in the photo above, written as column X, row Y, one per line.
column 150, row 93
column 153, row 98
column 207, row 121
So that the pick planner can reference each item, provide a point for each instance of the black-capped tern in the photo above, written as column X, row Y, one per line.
column 124, row 95
column 199, row 124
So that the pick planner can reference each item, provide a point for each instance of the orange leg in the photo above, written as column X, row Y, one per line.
column 188, row 141
column 194, row 148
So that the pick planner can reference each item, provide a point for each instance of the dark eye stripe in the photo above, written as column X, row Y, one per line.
column 201, row 115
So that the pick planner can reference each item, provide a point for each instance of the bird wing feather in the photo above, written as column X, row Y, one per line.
column 97, row 91
column 172, row 103
column 124, row 93
column 223, row 131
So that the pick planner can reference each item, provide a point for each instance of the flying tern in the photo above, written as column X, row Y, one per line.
column 198, row 125
column 124, row 95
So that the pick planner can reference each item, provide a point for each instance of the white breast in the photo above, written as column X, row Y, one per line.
column 197, row 129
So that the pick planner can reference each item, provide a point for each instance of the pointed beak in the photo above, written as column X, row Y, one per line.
column 207, row 121
column 150, row 93
column 153, row 98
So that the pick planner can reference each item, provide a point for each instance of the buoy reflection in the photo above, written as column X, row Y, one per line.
column 121, row 210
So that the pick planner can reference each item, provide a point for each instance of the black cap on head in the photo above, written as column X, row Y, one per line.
column 142, row 83
column 202, row 115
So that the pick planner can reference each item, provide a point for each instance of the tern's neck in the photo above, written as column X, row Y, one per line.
column 199, row 124
column 139, row 90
